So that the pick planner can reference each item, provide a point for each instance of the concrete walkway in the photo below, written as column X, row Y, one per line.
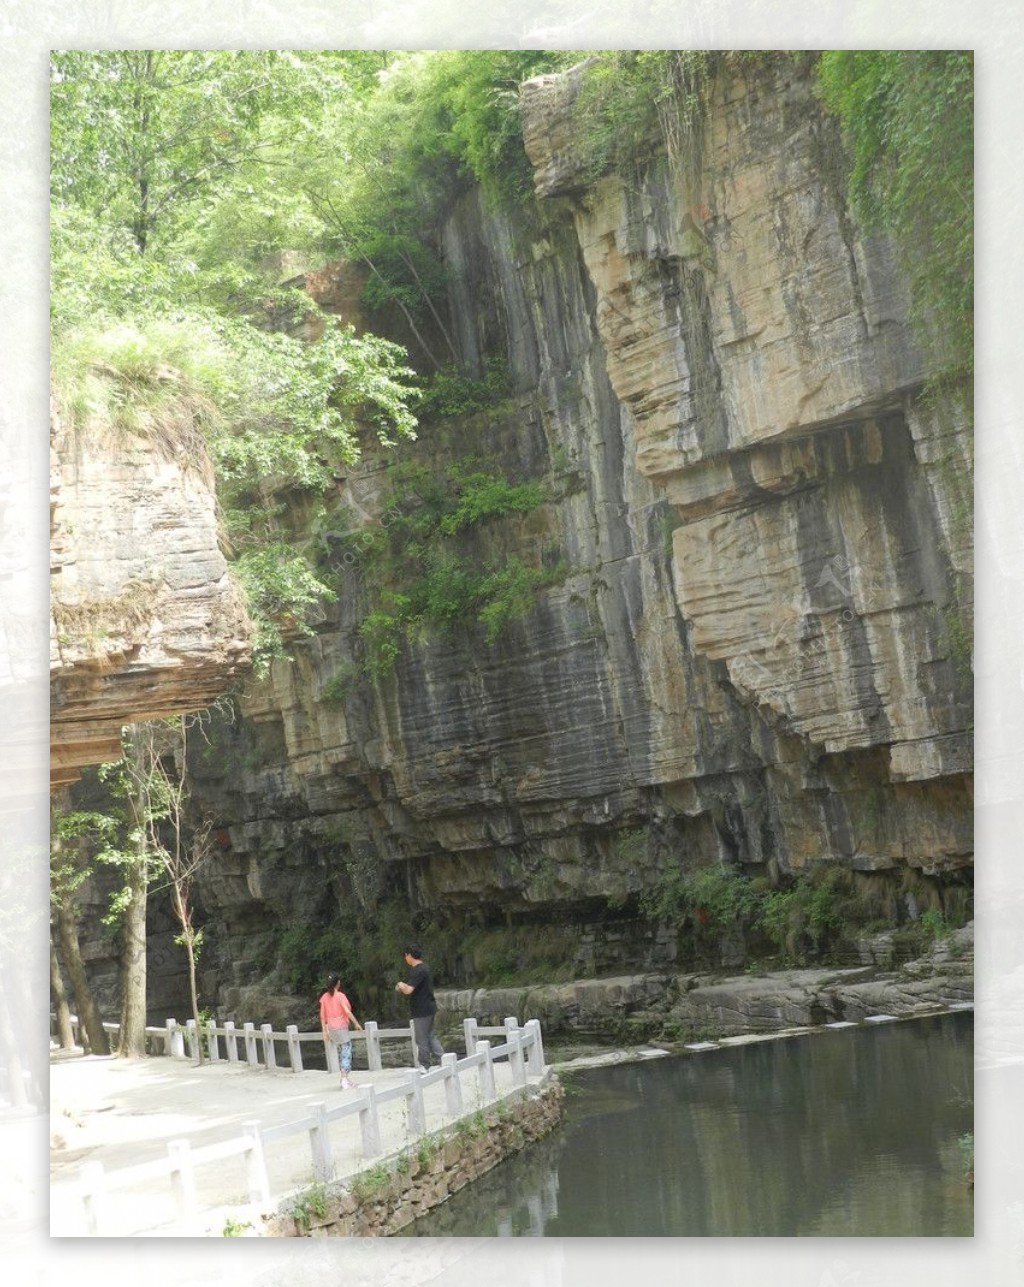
column 123, row 1112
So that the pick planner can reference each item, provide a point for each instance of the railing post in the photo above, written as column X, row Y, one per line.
column 469, row 1030
column 294, row 1048
column 551, row 1196
column 323, row 1163
column 269, row 1055
column 412, row 1042
column 485, row 1072
column 211, row 1041
column 511, row 1024
column 535, row 1055
column 369, row 1124
column 183, row 1181
column 535, row 1209
column 373, row 1059
column 333, row 1066
column 256, row 1165
column 250, row 1045
column 452, row 1085
column 173, row 1038
column 414, row 1100
column 231, row 1040
column 94, row 1191
column 515, row 1057
column 193, row 1039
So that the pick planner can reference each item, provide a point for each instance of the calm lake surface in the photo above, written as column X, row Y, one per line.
column 846, row 1132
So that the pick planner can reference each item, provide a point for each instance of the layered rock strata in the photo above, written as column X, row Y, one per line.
column 756, row 654
column 145, row 619
column 628, row 1009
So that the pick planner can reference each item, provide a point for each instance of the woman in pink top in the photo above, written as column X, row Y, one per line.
column 335, row 1013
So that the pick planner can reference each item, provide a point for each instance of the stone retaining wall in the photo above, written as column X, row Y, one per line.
column 387, row 1197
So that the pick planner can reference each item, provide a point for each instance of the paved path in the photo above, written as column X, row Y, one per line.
column 123, row 1112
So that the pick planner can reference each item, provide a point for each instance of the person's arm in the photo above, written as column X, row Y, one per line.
column 351, row 1015
column 323, row 1021
column 404, row 988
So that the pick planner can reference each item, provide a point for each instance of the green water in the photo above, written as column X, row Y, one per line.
column 848, row 1132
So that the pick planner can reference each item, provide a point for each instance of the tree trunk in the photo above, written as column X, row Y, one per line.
column 132, row 1043
column 88, row 1015
column 65, row 1035
column 190, row 951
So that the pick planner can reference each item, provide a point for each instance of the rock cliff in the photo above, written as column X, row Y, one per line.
column 757, row 651
column 145, row 621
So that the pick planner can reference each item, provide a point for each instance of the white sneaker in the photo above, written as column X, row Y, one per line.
column 347, row 1084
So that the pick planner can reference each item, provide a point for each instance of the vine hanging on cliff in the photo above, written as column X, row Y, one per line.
column 908, row 119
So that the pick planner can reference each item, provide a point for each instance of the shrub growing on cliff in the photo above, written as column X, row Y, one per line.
column 804, row 914
column 631, row 101
column 271, row 414
column 716, row 897
column 425, row 578
column 808, row 916
column 908, row 118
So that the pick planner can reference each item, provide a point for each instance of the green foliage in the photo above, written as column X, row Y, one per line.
column 471, row 1128
column 177, row 146
column 405, row 271
column 633, row 100
column 280, row 589
column 478, row 96
column 310, row 954
column 499, row 956
column 235, row 1228
column 422, row 577
column 450, row 393
column 272, row 412
column 716, row 897
column 370, row 1183
column 75, row 836
column 908, row 118
column 808, row 907
column 810, row 915
column 433, row 123
column 934, row 923
column 172, row 179
column 309, row 1205
column 340, row 684
column 426, row 1150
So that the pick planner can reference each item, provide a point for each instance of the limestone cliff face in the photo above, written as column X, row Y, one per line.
column 756, row 653
column 145, row 620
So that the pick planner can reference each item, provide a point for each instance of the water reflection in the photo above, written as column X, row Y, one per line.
column 841, row 1133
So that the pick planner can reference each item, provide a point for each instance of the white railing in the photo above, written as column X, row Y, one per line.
column 255, row 1045
column 523, row 1049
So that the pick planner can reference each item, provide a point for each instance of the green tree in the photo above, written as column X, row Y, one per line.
column 152, row 136
column 73, row 835
column 170, row 179
column 154, row 840
column 436, row 123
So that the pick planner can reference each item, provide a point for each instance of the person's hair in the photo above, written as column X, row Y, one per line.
column 413, row 950
column 332, row 982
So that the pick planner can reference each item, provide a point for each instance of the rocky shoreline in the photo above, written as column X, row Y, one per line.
column 674, row 1009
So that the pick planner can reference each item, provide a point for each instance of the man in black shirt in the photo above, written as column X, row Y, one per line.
column 422, row 1006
